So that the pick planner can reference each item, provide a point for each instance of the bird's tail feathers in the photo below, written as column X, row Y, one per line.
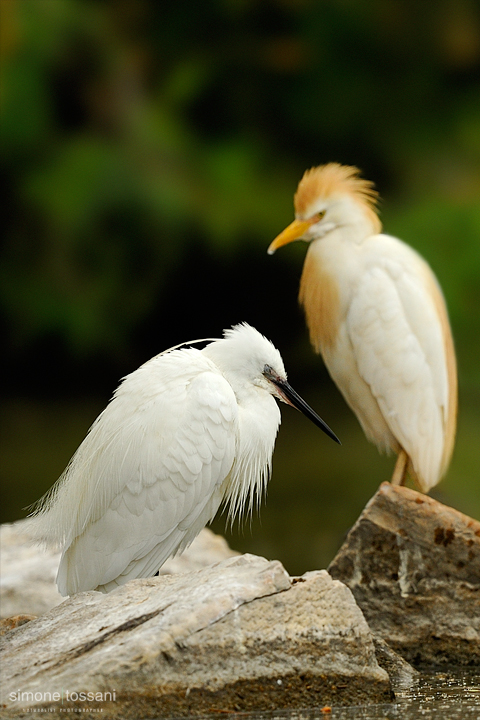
column 45, row 524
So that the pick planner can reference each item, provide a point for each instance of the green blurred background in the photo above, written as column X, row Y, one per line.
column 150, row 151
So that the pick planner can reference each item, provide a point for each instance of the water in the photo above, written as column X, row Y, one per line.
column 452, row 694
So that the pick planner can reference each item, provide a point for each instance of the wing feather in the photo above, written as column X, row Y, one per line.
column 397, row 340
column 152, row 470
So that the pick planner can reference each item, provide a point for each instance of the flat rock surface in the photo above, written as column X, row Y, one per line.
column 28, row 572
column 237, row 635
column 413, row 566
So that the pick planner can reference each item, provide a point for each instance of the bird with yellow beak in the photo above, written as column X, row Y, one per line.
column 376, row 313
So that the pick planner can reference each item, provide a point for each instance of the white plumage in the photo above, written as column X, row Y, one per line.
column 376, row 313
column 188, row 430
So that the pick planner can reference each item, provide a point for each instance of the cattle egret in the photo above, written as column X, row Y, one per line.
column 376, row 313
column 187, row 431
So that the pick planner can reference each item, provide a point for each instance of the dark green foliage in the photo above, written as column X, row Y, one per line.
column 132, row 131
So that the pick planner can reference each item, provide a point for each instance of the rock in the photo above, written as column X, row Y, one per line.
column 28, row 572
column 413, row 566
column 299, row 648
column 402, row 675
column 11, row 623
column 238, row 635
column 206, row 549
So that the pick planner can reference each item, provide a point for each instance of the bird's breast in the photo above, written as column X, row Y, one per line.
column 333, row 268
column 258, row 422
column 320, row 298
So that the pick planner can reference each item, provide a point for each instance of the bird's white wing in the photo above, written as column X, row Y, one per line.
column 151, row 472
column 396, row 334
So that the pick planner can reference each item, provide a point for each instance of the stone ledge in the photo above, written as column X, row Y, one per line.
column 413, row 566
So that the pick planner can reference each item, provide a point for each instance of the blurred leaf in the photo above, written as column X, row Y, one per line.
column 133, row 132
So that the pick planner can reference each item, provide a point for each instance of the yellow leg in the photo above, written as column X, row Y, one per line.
column 400, row 472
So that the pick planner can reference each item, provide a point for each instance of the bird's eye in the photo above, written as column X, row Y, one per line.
column 269, row 373
column 318, row 216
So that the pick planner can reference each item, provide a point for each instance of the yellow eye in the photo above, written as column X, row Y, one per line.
column 318, row 216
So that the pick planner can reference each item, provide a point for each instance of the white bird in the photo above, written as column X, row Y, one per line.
column 187, row 431
column 376, row 313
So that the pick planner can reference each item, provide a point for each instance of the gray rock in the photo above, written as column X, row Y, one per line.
column 27, row 571
column 402, row 675
column 27, row 574
column 237, row 635
column 413, row 566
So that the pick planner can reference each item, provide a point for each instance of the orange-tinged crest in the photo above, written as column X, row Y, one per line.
column 332, row 179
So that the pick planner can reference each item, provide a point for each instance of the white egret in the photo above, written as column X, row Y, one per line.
column 376, row 313
column 187, row 431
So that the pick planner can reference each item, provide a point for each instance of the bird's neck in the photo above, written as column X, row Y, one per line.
column 319, row 296
column 354, row 220
column 356, row 230
column 330, row 273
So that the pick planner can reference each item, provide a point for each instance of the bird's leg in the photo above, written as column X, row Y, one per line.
column 400, row 472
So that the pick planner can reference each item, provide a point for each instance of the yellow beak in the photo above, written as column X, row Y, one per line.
column 293, row 232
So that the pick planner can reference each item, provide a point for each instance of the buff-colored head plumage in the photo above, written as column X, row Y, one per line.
column 335, row 179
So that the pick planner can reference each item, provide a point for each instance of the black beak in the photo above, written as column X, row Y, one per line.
column 291, row 397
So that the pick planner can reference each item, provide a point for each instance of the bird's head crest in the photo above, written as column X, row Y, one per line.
column 333, row 179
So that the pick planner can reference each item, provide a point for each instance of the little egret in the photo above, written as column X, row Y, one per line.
column 376, row 313
column 187, row 431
